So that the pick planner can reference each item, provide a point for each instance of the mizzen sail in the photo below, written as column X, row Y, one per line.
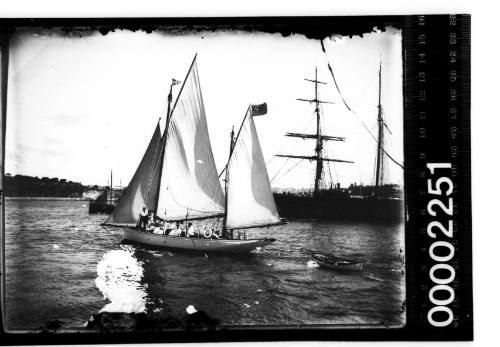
column 189, row 186
column 143, row 188
column 250, row 198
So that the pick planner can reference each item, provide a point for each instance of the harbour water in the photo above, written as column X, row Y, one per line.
column 61, row 265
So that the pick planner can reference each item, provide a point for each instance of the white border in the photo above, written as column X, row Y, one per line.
column 485, row 115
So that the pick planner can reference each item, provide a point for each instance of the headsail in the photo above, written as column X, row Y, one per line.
column 142, row 189
column 250, row 198
column 189, row 186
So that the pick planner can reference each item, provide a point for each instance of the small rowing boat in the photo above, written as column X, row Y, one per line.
column 337, row 263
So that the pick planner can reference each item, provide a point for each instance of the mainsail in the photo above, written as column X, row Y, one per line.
column 143, row 188
column 189, row 186
column 250, row 198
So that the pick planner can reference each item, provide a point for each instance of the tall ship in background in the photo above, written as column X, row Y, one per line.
column 381, row 202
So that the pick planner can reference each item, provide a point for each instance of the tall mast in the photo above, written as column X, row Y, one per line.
column 164, row 141
column 165, row 133
column 318, row 157
column 111, row 189
column 380, row 142
column 319, row 141
column 169, row 103
column 226, row 180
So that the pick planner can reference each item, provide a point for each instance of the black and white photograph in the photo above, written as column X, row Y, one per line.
column 170, row 171
column 207, row 177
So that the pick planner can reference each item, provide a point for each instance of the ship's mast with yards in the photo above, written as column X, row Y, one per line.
column 319, row 137
column 379, row 165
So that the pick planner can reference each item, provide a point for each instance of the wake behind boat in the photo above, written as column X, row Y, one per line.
column 177, row 181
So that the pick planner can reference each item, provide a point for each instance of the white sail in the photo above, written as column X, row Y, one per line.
column 143, row 188
column 189, row 186
column 250, row 198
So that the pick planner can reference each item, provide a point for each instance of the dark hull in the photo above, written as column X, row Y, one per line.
column 195, row 244
column 340, row 208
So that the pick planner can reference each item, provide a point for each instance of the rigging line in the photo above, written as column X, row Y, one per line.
column 152, row 170
column 287, row 159
column 347, row 106
column 273, row 157
column 186, row 207
column 281, row 168
column 334, row 79
column 213, row 224
column 152, row 173
column 369, row 85
column 223, row 170
column 284, row 145
column 290, row 169
column 327, row 150
column 330, row 164
column 308, row 167
column 293, row 150
column 237, row 136
column 247, row 113
column 183, row 84
column 330, row 173
column 387, row 154
column 187, row 215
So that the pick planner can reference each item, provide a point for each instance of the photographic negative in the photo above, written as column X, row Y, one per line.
column 226, row 175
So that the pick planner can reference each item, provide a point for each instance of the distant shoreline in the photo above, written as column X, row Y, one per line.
column 44, row 198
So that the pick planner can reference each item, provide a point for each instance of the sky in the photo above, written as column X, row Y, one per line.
column 79, row 107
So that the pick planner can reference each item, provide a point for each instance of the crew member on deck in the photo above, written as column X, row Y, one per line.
column 173, row 226
column 176, row 230
column 150, row 224
column 143, row 218
column 191, row 232
column 171, row 230
column 182, row 229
